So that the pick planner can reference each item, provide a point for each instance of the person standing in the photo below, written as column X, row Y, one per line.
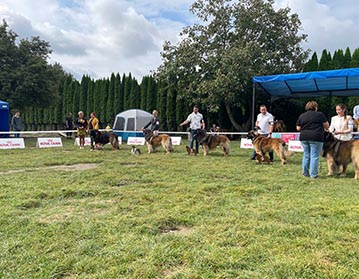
column 265, row 122
column 356, row 112
column 81, row 125
column 196, row 123
column 154, row 122
column 311, row 125
column 92, row 128
column 342, row 124
column 69, row 124
column 16, row 123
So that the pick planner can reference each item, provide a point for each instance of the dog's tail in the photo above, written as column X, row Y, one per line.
column 114, row 141
column 227, row 147
column 287, row 153
column 170, row 145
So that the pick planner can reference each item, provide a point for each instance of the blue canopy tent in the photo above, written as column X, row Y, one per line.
column 4, row 118
column 343, row 82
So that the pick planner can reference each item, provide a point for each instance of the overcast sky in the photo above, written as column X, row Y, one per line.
column 100, row 37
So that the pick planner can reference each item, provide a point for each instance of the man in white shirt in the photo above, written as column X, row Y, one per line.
column 356, row 112
column 196, row 123
column 265, row 121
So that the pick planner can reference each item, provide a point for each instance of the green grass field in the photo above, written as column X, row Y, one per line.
column 70, row 213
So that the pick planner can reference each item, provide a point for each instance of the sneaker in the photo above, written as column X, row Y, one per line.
column 252, row 158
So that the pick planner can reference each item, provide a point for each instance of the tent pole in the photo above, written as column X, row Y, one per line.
column 253, row 103
column 330, row 106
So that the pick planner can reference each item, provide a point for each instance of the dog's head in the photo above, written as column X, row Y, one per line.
column 253, row 133
column 96, row 135
column 199, row 134
column 329, row 143
column 328, row 136
column 148, row 134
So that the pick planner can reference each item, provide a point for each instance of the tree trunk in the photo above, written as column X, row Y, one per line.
column 231, row 118
column 241, row 128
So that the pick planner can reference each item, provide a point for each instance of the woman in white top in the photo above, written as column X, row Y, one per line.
column 342, row 124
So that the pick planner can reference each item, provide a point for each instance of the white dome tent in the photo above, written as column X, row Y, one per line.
column 130, row 122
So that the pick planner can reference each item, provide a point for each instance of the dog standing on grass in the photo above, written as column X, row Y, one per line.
column 340, row 153
column 211, row 141
column 154, row 141
column 262, row 145
column 102, row 138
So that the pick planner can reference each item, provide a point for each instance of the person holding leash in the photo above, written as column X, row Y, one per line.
column 265, row 121
column 196, row 123
column 155, row 123
column 342, row 124
column 69, row 124
column 92, row 128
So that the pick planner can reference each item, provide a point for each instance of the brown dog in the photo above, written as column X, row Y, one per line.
column 340, row 153
column 154, row 141
column 102, row 138
column 211, row 141
column 262, row 145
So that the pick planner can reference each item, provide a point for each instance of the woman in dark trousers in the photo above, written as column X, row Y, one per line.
column 69, row 124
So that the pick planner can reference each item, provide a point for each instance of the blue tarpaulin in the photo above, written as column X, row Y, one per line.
column 343, row 82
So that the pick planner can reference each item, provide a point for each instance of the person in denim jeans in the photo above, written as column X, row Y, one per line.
column 195, row 119
column 311, row 125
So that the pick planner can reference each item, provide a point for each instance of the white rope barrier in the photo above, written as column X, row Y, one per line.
column 120, row 131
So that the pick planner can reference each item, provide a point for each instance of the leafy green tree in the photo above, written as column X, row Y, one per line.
column 135, row 97
column 347, row 58
column 97, row 96
column 90, row 96
column 325, row 62
column 111, row 97
column 26, row 79
column 171, row 109
column 101, row 113
column 355, row 58
column 161, row 104
column 215, row 60
column 127, row 92
column 151, row 95
column 338, row 59
column 312, row 64
column 117, row 96
column 143, row 92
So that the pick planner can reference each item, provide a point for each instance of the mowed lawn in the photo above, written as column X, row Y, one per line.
column 70, row 213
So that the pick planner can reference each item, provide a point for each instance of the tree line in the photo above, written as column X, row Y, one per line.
column 109, row 96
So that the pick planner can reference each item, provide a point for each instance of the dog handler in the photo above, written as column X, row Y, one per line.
column 196, row 122
column 92, row 128
column 265, row 121
column 155, row 123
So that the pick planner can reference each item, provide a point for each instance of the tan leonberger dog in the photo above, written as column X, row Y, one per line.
column 211, row 141
column 262, row 145
column 154, row 141
column 340, row 153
